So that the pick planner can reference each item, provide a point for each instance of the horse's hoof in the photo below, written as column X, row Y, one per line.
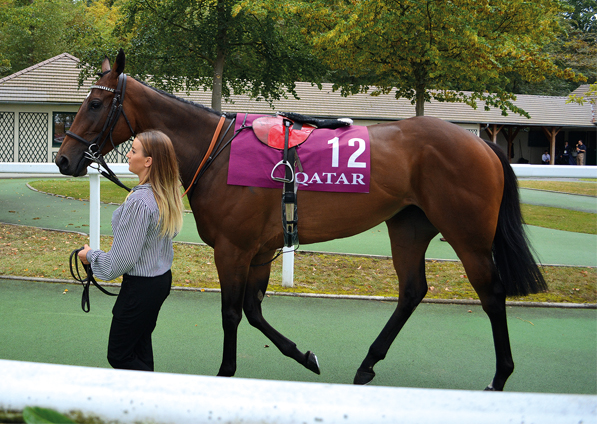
column 489, row 389
column 225, row 372
column 312, row 363
column 364, row 377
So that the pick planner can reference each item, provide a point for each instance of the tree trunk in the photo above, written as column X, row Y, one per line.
column 216, row 92
column 420, row 75
column 420, row 102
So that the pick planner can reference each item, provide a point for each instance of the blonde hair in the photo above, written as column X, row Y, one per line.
column 164, row 178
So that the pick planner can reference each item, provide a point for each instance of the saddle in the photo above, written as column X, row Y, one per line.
column 271, row 131
column 284, row 132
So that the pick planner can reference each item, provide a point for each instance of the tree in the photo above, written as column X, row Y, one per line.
column 184, row 44
column 580, row 46
column 448, row 50
column 34, row 30
column 575, row 47
column 101, row 37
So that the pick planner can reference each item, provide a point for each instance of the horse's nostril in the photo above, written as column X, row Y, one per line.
column 62, row 163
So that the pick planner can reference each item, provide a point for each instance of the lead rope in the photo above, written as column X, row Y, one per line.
column 86, row 282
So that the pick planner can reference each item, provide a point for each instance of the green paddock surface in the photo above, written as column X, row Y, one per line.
column 21, row 205
column 442, row 346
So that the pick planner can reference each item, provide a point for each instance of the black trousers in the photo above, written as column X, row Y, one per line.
column 135, row 314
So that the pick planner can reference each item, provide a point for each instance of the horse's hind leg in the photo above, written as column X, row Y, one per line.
column 483, row 276
column 410, row 233
column 254, row 293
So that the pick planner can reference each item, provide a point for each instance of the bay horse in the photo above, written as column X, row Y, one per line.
column 427, row 176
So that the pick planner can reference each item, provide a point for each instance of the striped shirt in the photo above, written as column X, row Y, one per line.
column 138, row 249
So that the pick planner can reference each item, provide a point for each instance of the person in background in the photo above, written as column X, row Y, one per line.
column 545, row 158
column 142, row 252
column 581, row 151
column 565, row 158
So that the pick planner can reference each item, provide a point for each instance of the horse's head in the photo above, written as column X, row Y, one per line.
column 97, row 124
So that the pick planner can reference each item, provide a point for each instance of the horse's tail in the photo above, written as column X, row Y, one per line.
column 512, row 253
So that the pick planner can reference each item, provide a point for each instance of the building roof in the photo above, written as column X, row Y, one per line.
column 544, row 110
column 582, row 90
column 56, row 81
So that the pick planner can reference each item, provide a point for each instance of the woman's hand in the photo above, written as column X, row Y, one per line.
column 83, row 254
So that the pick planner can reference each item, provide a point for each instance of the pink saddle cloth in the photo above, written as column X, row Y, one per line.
column 333, row 160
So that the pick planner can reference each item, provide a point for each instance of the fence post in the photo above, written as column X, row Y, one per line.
column 94, row 209
column 288, row 266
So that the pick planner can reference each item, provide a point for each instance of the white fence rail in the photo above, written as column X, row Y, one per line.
column 134, row 396
column 554, row 171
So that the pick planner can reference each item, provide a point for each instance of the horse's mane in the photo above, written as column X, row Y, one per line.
column 180, row 99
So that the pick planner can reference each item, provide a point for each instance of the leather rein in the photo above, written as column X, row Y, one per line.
column 95, row 146
column 85, row 281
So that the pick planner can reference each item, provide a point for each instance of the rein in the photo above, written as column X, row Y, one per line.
column 95, row 146
column 86, row 282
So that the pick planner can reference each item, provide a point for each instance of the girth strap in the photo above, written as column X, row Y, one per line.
column 289, row 198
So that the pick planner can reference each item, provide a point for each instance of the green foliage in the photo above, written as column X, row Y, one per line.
column 582, row 15
column 33, row 31
column 575, row 47
column 456, row 51
column 36, row 415
column 184, row 44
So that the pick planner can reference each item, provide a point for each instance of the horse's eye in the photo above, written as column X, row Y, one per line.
column 95, row 105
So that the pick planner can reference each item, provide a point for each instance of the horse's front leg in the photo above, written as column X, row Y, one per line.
column 256, row 287
column 233, row 268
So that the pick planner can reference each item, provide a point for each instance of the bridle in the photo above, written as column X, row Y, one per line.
column 95, row 146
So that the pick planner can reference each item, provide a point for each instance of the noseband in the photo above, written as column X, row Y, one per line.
column 95, row 146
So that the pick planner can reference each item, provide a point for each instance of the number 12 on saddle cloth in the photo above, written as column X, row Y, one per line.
column 333, row 160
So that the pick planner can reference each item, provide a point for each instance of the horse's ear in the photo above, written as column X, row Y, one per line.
column 119, row 64
column 106, row 64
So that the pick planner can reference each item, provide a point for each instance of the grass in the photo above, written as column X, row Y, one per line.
column 587, row 187
column 32, row 252
column 560, row 219
column 78, row 188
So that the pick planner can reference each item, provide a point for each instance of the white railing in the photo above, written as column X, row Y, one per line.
column 554, row 171
column 135, row 396
column 534, row 171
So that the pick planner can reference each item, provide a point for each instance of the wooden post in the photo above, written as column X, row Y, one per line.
column 550, row 133
column 493, row 132
column 511, row 133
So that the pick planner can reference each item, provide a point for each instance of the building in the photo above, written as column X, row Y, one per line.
column 38, row 104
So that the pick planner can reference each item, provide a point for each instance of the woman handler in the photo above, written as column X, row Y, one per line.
column 143, row 226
